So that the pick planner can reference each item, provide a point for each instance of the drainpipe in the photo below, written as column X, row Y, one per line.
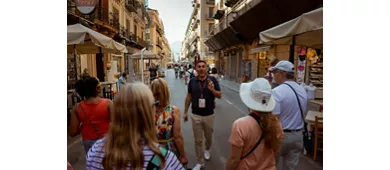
column 142, row 64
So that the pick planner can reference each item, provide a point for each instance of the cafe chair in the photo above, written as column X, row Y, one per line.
column 318, row 133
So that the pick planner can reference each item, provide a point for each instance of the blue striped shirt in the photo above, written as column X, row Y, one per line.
column 96, row 153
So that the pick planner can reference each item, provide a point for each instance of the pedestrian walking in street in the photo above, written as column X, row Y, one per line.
column 181, row 71
column 255, row 139
column 177, row 71
column 90, row 117
column 291, row 101
column 202, row 92
column 153, row 72
column 167, row 120
column 131, row 142
column 214, row 73
column 122, row 80
column 190, row 73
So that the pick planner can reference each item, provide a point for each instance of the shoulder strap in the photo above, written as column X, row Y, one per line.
column 155, row 162
column 90, row 122
column 299, row 104
column 254, row 116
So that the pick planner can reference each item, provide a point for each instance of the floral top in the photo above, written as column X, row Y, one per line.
column 164, row 120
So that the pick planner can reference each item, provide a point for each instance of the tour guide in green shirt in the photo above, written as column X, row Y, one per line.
column 202, row 91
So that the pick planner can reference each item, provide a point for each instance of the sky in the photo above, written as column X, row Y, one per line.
column 175, row 15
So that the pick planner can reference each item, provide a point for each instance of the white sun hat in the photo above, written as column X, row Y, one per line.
column 257, row 96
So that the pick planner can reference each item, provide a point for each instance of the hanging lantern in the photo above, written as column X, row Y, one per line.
column 262, row 55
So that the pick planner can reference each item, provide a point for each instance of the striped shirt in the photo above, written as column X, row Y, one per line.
column 96, row 153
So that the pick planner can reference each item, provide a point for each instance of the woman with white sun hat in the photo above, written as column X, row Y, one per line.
column 255, row 139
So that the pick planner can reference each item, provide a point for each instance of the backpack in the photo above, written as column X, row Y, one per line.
column 155, row 162
column 191, row 74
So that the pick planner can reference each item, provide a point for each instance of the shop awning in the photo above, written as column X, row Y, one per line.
column 147, row 55
column 87, row 41
column 270, row 13
column 307, row 29
column 223, row 39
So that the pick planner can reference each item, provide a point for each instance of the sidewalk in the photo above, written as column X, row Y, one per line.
column 230, row 85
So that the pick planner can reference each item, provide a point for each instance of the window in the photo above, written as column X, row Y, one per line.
column 128, row 25
column 135, row 28
column 211, row 9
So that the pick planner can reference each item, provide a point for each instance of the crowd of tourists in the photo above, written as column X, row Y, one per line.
column 140, row 128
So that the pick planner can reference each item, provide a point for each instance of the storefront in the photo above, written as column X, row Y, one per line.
column 305, row 35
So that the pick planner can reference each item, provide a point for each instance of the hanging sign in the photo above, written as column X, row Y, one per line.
column 85, row 6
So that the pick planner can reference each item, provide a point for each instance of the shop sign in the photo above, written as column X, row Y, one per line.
column 85, row 6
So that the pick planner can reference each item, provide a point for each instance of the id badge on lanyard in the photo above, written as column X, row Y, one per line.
column 202, row 101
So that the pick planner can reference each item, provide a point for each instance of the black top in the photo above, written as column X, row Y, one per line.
column 195, row 91
column 153, row 72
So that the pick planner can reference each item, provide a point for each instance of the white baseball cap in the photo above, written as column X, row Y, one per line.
column 256, row 95
column 284, row 66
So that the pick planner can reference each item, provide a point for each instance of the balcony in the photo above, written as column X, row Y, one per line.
column 131, row 5
column 219, row 14
column 196, row 4
column 210, row 2
column 136, row 7
column 142, row 42
column 159, row 30
column 101, row 16
column 231, row 3
column 159, row 44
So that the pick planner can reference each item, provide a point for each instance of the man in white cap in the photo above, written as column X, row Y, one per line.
column 291, row 100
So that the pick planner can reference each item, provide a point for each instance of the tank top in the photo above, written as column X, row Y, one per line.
column 94, row 118
column 164, row 120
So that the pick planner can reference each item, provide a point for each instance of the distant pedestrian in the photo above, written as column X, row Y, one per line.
column 91, row 116
column 291, row 101
column 202, row 91
column 153, row 72
column 131, row 140
column 167, row 119
column 122, row 80
column 255, row 139
column 214, row 73
column 182, row 71
column 190, row 73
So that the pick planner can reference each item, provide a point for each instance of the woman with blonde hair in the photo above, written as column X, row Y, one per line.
column 255, row 139
column 167, row 120
column 131, row 140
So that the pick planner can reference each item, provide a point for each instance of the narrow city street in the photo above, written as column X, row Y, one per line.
column 228, row 109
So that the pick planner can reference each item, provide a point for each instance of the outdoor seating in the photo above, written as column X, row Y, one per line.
column 318, row 134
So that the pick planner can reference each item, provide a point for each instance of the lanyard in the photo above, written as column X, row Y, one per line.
column 201, row 88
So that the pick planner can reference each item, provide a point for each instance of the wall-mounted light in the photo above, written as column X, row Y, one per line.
column 225, row 53
column 233, row 52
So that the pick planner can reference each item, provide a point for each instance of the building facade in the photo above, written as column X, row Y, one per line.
column 200, row 24
column 234, row 36
column 124, row 21
column 158, row 42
